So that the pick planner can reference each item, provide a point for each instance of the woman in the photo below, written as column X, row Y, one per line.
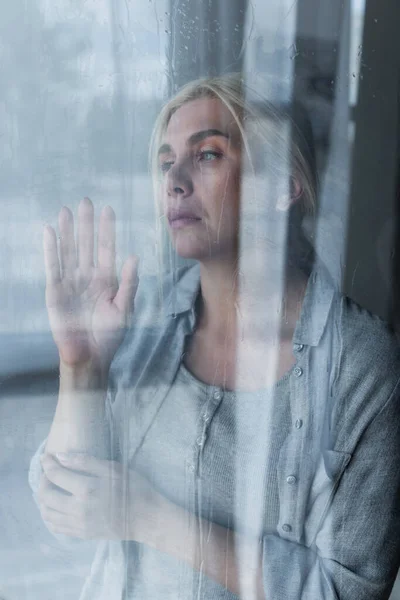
column 244, row 440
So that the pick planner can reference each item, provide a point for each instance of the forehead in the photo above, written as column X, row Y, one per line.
column 199, row 115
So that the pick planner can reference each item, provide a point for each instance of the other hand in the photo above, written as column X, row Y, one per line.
column 87, row 498
column 88, row 310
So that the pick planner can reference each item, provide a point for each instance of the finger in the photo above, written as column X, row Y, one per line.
column 67, row 241
column 128, row 286
column 51, row 262
column 85, row 234
column 72, row 532
column 54, row 517
column 106, row 241
column 66, row 479
column 53, row 497
column 90, row 465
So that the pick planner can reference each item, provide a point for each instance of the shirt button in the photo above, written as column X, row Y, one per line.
column 206, row 417
column 298, row 424
column 287, row 528
column 298, row 371
column 200, row 441
column 298, row 347
column 217, row 395
column 292, row 479
column 191, row 468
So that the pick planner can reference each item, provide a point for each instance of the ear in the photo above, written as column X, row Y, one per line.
column 296, row 189
column 287, row 200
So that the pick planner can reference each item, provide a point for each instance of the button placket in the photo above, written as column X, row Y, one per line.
column 289, row 502
column 290, row 473
column 204, row 422
column 206, row 417
column 217, row 395
column 191, row 467
column 201, row 440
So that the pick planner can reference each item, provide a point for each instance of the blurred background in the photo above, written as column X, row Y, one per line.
column 81, row 84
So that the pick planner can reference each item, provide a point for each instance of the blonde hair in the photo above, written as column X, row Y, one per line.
column 251, row 112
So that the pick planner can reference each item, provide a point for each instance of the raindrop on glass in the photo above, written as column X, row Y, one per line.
column 293, row 52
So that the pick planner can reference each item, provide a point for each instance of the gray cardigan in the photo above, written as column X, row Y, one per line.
column 338, row 534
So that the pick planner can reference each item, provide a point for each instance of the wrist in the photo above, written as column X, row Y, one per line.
column 89, row 375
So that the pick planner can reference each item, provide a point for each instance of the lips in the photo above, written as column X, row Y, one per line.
column 181, row 217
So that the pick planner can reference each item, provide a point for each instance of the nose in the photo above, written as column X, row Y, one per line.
column 180, row 183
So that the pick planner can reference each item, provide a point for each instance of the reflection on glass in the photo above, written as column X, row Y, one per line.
column 205, row 412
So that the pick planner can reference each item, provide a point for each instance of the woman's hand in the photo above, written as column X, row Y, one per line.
column 88, row 310
column 87, row 498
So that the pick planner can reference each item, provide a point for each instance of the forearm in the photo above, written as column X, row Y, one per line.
column 230, row 559
column 80, row 421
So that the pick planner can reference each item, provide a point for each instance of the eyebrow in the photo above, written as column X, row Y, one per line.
column 196, row 138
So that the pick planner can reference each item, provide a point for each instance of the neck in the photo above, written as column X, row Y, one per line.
column 231, row 307
column 219, row 296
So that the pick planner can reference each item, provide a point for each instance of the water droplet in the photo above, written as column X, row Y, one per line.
column 293, row 52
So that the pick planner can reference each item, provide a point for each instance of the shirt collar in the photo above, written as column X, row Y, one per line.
column 316, row 306
column 314, row 313
column 184, row 291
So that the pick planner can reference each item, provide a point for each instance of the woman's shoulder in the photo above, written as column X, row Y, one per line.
column 356, row 335
column 368, row 339
column 366, row 367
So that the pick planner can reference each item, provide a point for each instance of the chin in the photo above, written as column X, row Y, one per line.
column 190, row 251
column 203, row 252
column 202, row 248
column 187, row 245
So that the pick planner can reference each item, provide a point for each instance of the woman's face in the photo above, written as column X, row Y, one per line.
column 199, row 161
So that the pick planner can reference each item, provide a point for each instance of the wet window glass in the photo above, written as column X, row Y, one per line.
column 199, row 358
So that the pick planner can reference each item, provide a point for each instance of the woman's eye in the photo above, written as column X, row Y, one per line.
column 166, row 165
column 208, row 155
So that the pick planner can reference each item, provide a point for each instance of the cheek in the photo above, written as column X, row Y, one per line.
column 229, row 193
column 218, row 190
